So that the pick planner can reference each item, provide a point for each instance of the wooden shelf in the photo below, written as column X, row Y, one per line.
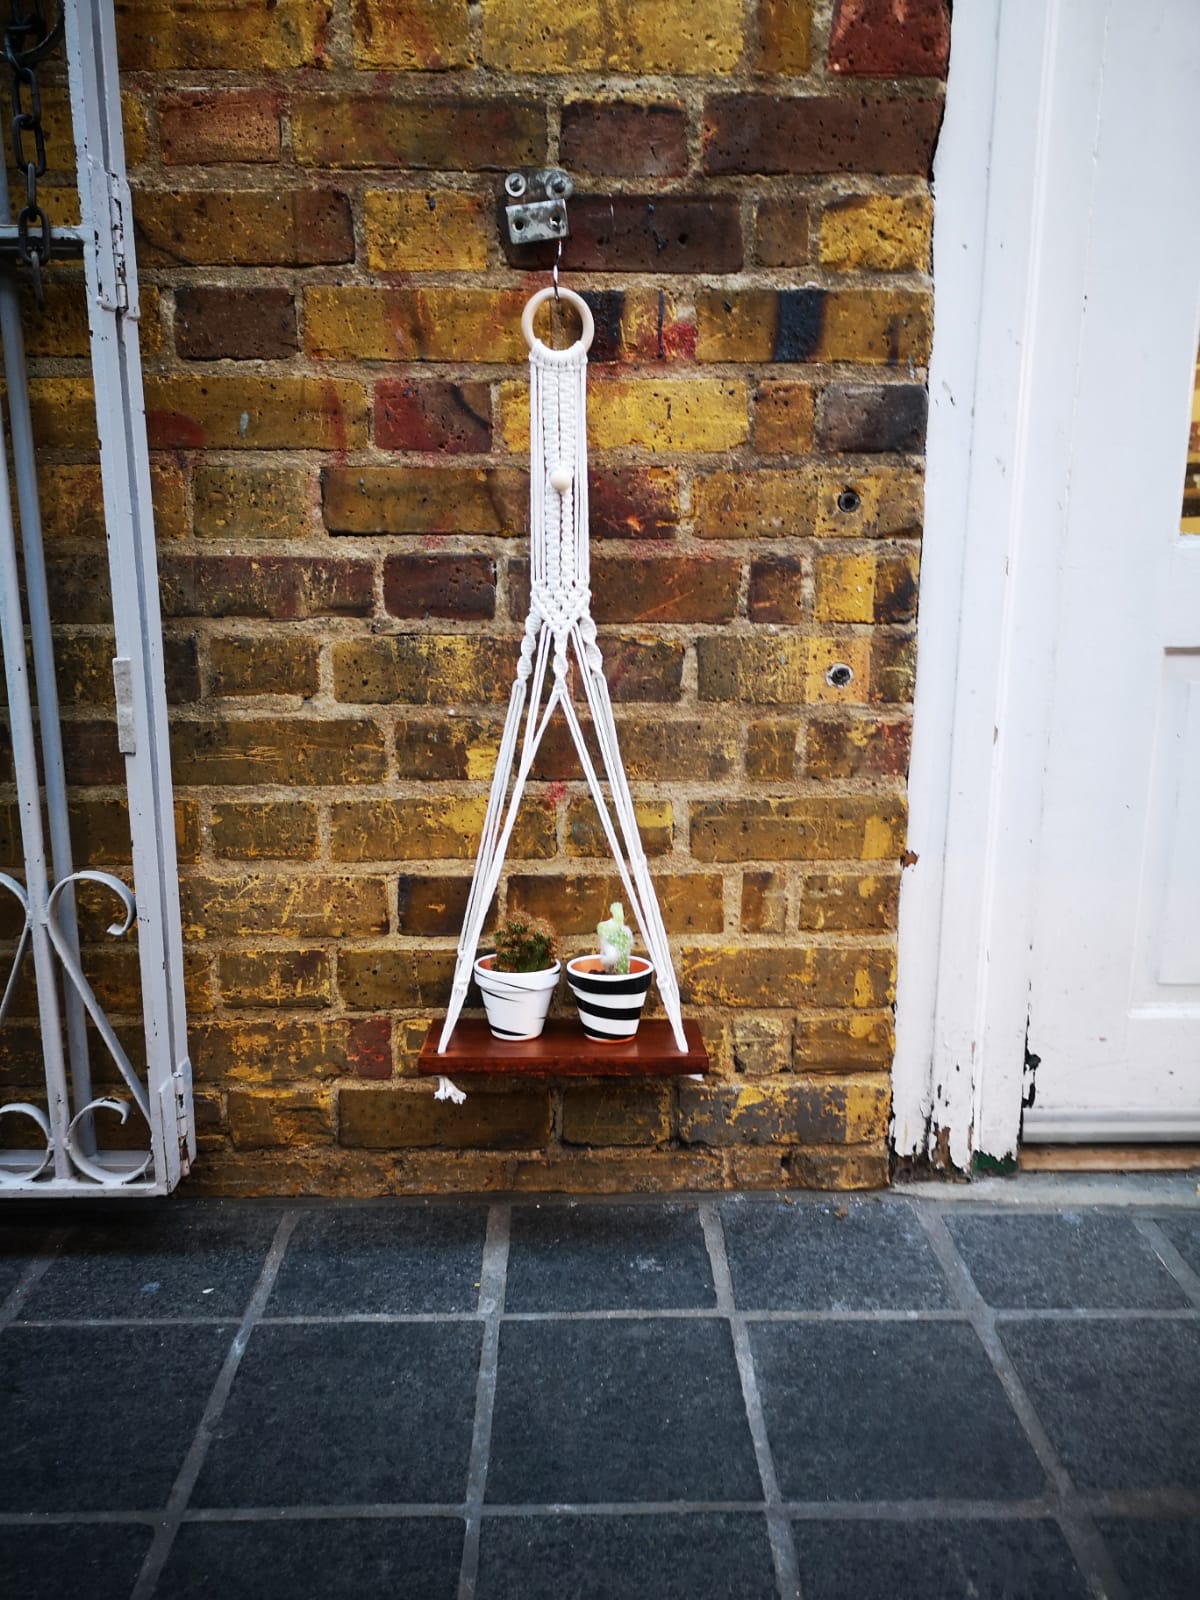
column 563, row 1051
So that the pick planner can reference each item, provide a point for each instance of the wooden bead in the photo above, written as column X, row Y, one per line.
column 560, row 477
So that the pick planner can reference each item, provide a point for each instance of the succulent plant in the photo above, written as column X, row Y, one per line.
column 616, row 940
column 525, row 944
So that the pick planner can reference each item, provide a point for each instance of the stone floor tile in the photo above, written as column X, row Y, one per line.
column 849, row 1255
column 1092, row 1260
column 612, row 1411
column 1182, row 1228
column 20, row 1243
column 101, row 1418
column 1159, row 1559
column 415, row 1558
column 1120, row 1400
column 346, row 1414
column 607, row 1258
column 100, row 1560
column 393, row 1259
column 706, row 1556
column 888, row 1411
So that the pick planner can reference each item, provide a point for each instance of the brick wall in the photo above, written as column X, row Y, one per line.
column 337, row 398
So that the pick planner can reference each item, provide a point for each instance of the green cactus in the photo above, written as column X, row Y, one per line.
column 616, row 941
column 525, row 944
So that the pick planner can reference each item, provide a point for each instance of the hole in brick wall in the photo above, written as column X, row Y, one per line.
column 848, row 500
column 839, row 675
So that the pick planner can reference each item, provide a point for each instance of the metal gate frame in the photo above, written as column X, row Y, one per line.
column 71, row 1160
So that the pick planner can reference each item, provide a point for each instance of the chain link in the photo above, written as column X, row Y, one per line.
column 28, row 39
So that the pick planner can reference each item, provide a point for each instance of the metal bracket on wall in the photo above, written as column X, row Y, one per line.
column 537, row 205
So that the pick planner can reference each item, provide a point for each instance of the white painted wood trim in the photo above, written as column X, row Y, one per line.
column 1010, row 234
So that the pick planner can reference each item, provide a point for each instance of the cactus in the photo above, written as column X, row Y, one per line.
column 525, row 944
column 616, row 941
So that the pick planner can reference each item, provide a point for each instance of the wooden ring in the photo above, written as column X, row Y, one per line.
column 581, row 306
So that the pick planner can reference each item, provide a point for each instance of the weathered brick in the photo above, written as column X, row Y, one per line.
column 251, row 664
column 877, row 233
column 442, row 828
column 434, row 414
column 295, row 905
column 883, row 503
column 450, row 134
column 246, row 413
column 265, row 830
column 242, row 324
column 63, row 412
column 653, row 748
column 155, row 35
column 456, row 500
column 785, row 975
column 359, row 322
column 888, row 326
column 764, row 902
column 284, row 1049
column 100, row 832
column 783, row 419
column 771, row 750
column 280, row 1118
column 424, row 231
column 721, row 1114
column 440, row 586
column 771, row 504
column 585, row 837
column 634, row 503
column 424, row 669
column 298, row 751
column 633, row 325
column 615, row 1114
column 623, row 139
column 421, row 36
column 890, row 38
column 431, row 907
column 896, row 588
column 762, row 1046
column 893, row 669
column 644, row 669
column 300, row 979
column 776, row 591
column 288, row 588
column 783, row 669
column 871, row 418
column 850, row 1167
column 784, row 27
column 849, row 902
column 673, row 414
column 465, row 747
column 690, row 902
column 671, row 36
column 249, row 227
column 825, row 827
column 851, row 1041
column 781, row 231
column 62, row 329
column 816, row 133
column 384, row 978
column 251, row 502
column 863, row 588
column 200, row 127
column 399, row 1117
column 693, row 588
column 72, row 503
column 644, row 233
column 857, row 747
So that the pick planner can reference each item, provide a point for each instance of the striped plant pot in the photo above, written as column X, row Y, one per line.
column 516, row 1002
column 610, row 1003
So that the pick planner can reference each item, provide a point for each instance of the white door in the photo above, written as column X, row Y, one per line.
column 1114, row 1017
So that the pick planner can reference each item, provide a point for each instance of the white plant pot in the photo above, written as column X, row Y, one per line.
column 610, row 1003
column 516, row 1002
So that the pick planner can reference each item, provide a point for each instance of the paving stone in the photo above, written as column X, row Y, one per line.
column 346, row 1414
column 1070, row 1259
column 1182, row 1228
column 850, row 1256
column 417, row 1558
column 101, row 1561
column 619, row 1410
column 20, row 1243
column 607, row 1258
column 101, row 1418
column 967, row 1560
column 1159, row 1559
column 1118, row 1399
column 875, row 1412
column 713, row 1556
column 191, row 1260
column 381, row 1259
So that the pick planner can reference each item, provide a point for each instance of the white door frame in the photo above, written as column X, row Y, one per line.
column 1010, row 262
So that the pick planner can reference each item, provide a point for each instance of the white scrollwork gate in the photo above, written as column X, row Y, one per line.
column 70, row 1146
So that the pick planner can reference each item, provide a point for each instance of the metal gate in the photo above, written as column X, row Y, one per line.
column 71, row 1146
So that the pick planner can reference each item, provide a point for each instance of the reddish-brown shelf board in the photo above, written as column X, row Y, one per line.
column 563, row 1051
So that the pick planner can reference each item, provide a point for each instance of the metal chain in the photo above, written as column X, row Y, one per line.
column 28, row 39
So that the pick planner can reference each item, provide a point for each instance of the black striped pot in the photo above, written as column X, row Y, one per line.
column 610, row 1003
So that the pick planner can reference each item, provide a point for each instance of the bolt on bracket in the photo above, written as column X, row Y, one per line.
column 537, row 205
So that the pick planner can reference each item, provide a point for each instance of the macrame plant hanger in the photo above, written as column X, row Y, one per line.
column 560, row 626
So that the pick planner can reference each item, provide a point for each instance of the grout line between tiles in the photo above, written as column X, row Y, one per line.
column 17, row 1296
column 185, row 1480
column 1087, row 1546
column 779, row 1531
column 493, row 1279
column 1166, row 1252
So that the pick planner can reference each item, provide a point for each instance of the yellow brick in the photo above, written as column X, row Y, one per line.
column 280, row 1117
column 424, row 231
column 255, row 413
column 359, row 323
column 882, row 503
column 845, row 589
column 442, row 829
column 133, row 118
column 285, row 978
column 198, row 34
column 782, row 670
column 669, row 36
column 673, row 414
column 418, row 36
column 63, row 412
column 753, row 505
column 880, row 232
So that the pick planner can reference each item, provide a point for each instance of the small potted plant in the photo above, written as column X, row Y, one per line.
column 517, row 979
column 610, row 988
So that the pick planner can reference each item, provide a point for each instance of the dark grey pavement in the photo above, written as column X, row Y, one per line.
column 993, row 1395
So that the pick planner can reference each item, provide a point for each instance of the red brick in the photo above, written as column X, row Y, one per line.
column 870, row 418
column 644, row 233
column 693, row 588
column 285, row 587
column 249, row 228
column 634, row 503
column 857, row 747
column 890, row 38
column 433, row 415
column 777, row 589
column 637, row 325
column 444, row 134
column 204, row 126
column 643, row 668
column 440, row 586
column 242, row 324
column 623, row 139
column 782, row 231
column 816, row 134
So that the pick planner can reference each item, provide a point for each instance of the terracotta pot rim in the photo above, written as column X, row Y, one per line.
column 637, row 966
